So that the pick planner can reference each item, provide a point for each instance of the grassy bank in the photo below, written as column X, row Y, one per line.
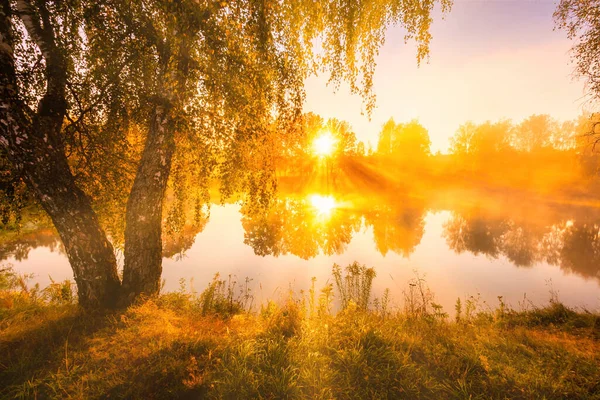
column 187, row 345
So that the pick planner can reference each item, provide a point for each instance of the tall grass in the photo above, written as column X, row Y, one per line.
column 355, row 286
column 210, row 345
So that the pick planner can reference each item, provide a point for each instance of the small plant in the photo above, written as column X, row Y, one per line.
column 220, row 297
column 325, row 300
column 525, row 304
column 553, row 292
column 355, row 286
column 458, row 310
column 472, row 304
column 8, row 278
column 59, row 292
column 438, row 312
column 316, row 308
column 14, row 289
column 382, row 305
column 311, row 297
column 419, row 299
column 501, row 310
column 285, row 321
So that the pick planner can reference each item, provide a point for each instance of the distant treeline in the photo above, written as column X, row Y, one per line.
column 539, row 152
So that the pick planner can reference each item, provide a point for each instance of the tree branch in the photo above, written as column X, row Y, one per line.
column 53, row 104
column 28, row 15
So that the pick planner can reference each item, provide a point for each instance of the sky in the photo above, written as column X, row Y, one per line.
column 489, row 60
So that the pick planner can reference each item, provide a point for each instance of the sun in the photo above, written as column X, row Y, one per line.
column 324, row 144
column 323, row 204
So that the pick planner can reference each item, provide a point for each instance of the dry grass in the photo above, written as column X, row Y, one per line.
column 175, row 346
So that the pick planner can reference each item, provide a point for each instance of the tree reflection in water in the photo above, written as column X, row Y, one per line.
column 302, row 226
column 397, row 226
column 573, row 244
column 308, row 226
column 312, row 224
column 19, row 247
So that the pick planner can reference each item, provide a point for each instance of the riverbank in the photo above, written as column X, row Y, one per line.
column 186, row 345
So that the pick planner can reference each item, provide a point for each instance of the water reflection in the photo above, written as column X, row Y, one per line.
column 567, row 236
column 475, row 233
column 576, row 248
column 302, row 226
column 177, row 243
column 324, row 225
column 573, row 245
column 398, row 226
column 18, row 246
column 320, row 224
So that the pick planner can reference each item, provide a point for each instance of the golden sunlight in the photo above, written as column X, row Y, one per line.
column 324, row 144
column 323, row 204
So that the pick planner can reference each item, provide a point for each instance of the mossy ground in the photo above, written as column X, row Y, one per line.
column 186, row 346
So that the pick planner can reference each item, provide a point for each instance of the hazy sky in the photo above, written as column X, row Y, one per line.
column 489, row 59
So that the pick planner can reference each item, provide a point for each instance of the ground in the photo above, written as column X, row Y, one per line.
column 185, row 345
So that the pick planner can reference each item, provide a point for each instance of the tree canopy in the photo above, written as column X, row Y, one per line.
column 104, row 97
column 408, row 140
column 581, row 20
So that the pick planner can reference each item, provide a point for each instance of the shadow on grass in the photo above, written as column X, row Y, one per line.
column 178, row 371
column 39, row 338
column 65, row 352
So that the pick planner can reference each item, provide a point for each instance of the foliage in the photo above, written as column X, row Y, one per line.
column 418, row 299
column 14, row 292
column 59, row 292
column 481, row 140
column 120, row 87
column 293, row 225
column 579, row 18
column 162, row 348
column 221, row 297
column 407, row 142
column 354, row 287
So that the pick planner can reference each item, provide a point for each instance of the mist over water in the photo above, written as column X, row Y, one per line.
column 495, row 245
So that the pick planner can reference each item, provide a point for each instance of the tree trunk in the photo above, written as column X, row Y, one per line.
column 33, row 144
column 143, row 241
column 90, row 253
column 47, row 174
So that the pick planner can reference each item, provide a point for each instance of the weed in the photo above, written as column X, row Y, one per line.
column 185, row 345
column 222, row 297
column 355, row 286
column 60, row 292
column 458, row 310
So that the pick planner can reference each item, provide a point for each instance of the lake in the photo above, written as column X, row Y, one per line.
column 520, row 247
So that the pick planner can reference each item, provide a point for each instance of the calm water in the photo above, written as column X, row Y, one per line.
column 503, row 249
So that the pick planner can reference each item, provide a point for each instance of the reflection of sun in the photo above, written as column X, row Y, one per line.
column 324, row 144
column 323, row 204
